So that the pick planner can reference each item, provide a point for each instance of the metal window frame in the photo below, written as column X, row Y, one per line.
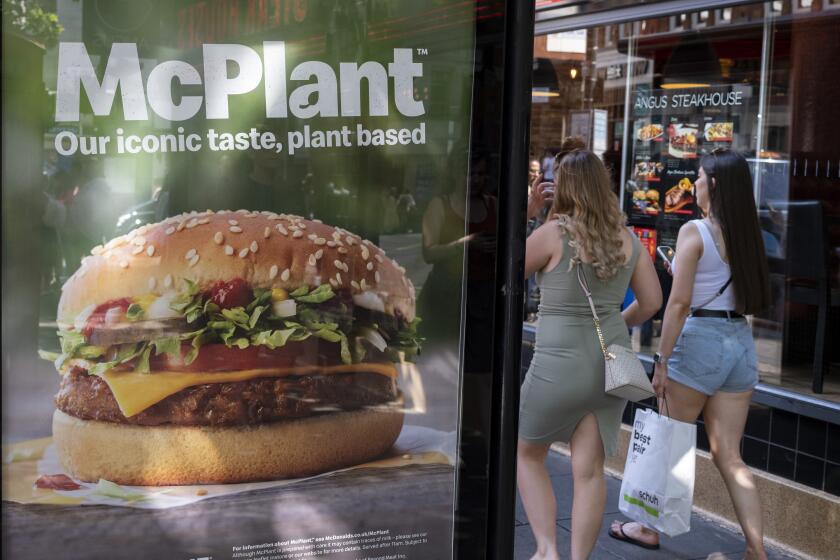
column 555, row 21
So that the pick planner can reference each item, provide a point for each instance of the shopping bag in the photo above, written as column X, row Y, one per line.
column 658, row 485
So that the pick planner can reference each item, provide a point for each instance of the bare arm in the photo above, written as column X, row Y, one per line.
column 433, row 250
column 689, row 251
column 645, row 286
column 540, row 247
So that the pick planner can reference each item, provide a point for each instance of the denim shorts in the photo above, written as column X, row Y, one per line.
column 715, row 354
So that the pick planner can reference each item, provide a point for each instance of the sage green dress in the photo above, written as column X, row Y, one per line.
column 566, row 378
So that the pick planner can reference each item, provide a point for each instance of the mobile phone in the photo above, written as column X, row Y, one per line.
column 666, row 253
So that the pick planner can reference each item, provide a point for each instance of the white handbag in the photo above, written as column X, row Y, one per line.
column 624, row 374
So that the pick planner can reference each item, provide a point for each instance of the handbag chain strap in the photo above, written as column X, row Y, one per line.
column 582, row 280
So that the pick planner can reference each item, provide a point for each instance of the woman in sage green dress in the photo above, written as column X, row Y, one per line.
column 563, row 396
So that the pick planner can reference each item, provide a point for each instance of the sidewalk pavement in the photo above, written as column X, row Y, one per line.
column 706, row 540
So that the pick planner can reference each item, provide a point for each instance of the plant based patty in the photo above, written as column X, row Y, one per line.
column 230, row 404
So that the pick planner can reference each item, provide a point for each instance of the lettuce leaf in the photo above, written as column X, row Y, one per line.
column 319, row 295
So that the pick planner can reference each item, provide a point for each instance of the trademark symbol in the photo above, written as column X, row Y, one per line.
column 422, row 52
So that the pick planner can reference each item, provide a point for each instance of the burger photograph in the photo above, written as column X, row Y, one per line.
column 222, row 347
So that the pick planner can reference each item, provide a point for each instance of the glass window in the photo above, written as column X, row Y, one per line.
column 754, row 78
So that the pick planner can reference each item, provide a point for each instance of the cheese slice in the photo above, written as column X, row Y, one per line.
column 135, row 392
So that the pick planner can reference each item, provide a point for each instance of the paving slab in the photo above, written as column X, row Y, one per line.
column 706, row 540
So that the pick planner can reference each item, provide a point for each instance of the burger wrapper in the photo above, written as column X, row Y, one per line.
column 24, row 462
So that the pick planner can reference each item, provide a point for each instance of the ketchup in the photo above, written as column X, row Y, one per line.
column 56, row 482
column 97, row 318
column 235, row 293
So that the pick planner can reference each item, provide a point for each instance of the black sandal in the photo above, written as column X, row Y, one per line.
column 626, row 538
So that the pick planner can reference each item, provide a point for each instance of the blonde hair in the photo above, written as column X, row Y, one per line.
column 587, row 211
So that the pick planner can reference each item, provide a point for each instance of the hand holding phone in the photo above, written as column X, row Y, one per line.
column 667, row 254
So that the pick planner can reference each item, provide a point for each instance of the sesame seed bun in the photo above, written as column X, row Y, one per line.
column 171, row 455
column 265, row 249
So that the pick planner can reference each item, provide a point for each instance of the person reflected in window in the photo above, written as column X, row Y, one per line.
column 706, row 361
column 563, row 397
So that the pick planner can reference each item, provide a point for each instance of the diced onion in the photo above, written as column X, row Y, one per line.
column 114, row 315
column 369, row 300
column 159, row 309
column 373, row 336
column 285, row 308
column 81, row 318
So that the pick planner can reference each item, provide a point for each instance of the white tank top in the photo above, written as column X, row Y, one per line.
column 712, row 274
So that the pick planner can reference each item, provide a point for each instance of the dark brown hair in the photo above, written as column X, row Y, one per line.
column 732, row 204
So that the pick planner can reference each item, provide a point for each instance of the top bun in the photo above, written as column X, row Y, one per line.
column 266, row 249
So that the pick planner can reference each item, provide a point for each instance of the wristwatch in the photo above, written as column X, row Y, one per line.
column 659, row 358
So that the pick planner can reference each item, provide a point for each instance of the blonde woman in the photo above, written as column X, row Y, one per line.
column 563, row 395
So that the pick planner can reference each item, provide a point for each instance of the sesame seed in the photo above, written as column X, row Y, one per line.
column 338, row 278
column 266, row 232
column 272, row 273
column 254, row 247
column 312, row 236
column 170, row 230
column 338, row 264
column 370, row 266
column 193, row 261
column 250, row 215
column 124, row 264
column 349, row 240
column 320, row 241
column 336, row 236
column 342, row 250
column 219, row 238
column 190, row 254
column 137, row 250
column 330, row 243
column 233, row 222
column 366, row 242
column 244, row 253
column 378, row 257
column 192, row 223
column 282, row 230
column 365, row 253
column 401, row 269
column 150, row 250
column 203, row 221
column 285, row 275
column 364, row 285
column 312, row 260
column 167, row 281
column 319, row 253
column 228, row 250
column 333, row 283
column 139, row 240
column 96, row 250
column 152, row 282
column 355, row 284
column 376, row 276
column 301, row 225
column 242, row 211
column 235, row 229
column 293, row 227
column 317, row 221
column 181, row 225
column 297, row 234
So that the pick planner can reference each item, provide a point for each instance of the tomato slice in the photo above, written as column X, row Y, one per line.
column 218, row 357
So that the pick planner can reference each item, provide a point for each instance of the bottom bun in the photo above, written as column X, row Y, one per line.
column 171, row 455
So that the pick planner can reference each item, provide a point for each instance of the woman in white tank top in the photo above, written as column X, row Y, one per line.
column 706, row 360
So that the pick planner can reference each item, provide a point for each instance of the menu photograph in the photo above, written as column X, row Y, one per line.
column 673, row 129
